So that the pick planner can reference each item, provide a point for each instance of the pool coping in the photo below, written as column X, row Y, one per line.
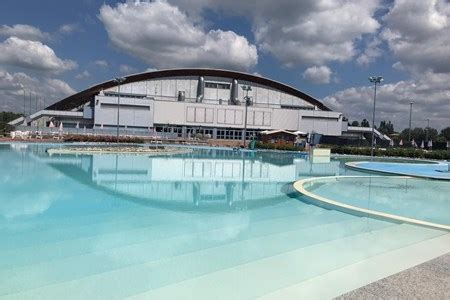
column 359, row 211
column 354, row 165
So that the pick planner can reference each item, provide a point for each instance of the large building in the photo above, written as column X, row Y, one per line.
column 187, row 101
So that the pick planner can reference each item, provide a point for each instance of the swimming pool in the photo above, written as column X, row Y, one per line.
column 211, row 223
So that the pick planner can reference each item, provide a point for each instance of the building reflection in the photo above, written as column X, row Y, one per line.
column 204, row 179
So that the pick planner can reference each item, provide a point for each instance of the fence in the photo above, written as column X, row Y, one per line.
column 97, row 131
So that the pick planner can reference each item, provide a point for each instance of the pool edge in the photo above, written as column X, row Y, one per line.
column 346, row 208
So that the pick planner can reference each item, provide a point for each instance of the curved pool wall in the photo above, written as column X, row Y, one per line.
column 423, row 170
column 304, row 187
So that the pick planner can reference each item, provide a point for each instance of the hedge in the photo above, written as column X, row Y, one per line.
column 285, row 147
column 102, row 139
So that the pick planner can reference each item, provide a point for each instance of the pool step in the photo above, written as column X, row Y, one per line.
column 222, row 227
column 43, row 222
column 255, row 279
column 343, row 280
column 57, row 232
column 150, row 273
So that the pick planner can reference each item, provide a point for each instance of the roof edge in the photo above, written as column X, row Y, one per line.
column 79, row 98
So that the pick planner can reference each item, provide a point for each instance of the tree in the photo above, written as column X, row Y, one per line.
column 6, row 117
column 355, row 123
column 445, row 133
column 386, row 127
column 365, row 123
column 431, row 132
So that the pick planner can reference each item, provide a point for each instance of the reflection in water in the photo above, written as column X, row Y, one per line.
column 205, row 179
column 25, row 186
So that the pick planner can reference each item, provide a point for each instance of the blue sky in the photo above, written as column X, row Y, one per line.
column 324, row 48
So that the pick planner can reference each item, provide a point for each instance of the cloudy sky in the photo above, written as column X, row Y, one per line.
column 326, row 48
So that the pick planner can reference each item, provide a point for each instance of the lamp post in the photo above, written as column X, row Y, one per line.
column 24, row 99
column 246, row 88
column 410, row 115
column 426, row 129
column 375, row 80
column 118, row 80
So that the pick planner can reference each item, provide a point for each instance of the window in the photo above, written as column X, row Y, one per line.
column 215, row 85
column 211, row 85
column 223, row 86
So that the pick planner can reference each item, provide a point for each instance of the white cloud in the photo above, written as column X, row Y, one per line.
column 309, row 32
column 151, row 70
column 12, row 87
column 430, row 93
column 32, row 55
column 417, row 33
column 324, row 33
column 23, row 31
column 126, row 69
column 101, row 63
column 371, row 52
column 166, row 37
column 318, row 75
column 69, row 28
column 83, row 75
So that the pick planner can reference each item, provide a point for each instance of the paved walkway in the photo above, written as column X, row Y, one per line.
column 430, row 280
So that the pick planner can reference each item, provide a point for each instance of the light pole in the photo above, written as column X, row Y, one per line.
column 24, row 99
column 428, row 126
column 118, row 80
column 410, row 115
column 375, row 80
column 246, row 88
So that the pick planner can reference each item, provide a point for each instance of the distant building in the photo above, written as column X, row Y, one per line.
column 185, row 102
column 279, row 137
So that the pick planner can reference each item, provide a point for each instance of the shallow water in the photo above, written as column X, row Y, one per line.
column 421, row 199
column 115, row 226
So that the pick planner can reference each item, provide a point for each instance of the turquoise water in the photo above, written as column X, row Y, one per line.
column 421, row 199
column 427, row 170
column 212, row 223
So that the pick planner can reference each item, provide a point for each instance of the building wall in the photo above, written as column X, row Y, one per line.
column 134, row 112
column 168, row 88
column 158, row 104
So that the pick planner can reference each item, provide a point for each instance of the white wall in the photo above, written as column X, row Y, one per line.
column 265, row 113
column 133, row 111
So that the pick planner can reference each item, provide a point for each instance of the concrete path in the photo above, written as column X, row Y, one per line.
column 430, row 280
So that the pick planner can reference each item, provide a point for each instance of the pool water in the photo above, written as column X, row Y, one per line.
column 209, row 224
column 424, row 200
column 423, row 170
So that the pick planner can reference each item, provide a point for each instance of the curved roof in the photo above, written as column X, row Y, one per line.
column 83, row 96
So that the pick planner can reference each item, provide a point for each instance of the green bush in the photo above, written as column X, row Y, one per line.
column 285, row 147
column 102, row 139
